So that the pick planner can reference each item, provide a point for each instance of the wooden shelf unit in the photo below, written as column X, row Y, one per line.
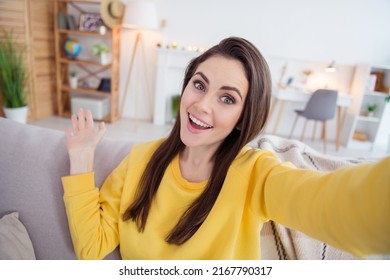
column 91, row 68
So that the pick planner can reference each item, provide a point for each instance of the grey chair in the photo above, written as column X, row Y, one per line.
column 320, row 107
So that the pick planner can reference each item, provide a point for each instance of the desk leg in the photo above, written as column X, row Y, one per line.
column 338, row 127
column 271, row 111
column 281, row 109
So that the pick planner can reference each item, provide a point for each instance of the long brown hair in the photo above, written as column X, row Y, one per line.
column 251, row 123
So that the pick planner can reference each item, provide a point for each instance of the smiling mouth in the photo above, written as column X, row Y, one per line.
column 198, row 124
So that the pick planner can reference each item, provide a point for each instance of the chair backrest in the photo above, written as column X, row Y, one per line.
column 321, row 105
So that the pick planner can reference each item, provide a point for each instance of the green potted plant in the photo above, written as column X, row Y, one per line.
column 175, row 101
column 371, row 108
column 73, row 79
column 13, row 77
column 103, row 52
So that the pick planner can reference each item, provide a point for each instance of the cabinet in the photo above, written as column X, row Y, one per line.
column 91, row 69
column 370, row 86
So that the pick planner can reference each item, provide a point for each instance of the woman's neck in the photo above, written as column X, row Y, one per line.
column 196, row 164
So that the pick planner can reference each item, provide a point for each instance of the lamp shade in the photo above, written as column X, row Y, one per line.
column 140, row 15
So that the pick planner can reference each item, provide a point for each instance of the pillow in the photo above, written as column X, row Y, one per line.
column 15, row 243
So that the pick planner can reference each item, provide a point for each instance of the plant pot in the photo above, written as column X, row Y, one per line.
column 73, row 82
column 16, row 114
column 175, row 100
column 105, row 58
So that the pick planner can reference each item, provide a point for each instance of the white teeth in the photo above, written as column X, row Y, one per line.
column 198, row 122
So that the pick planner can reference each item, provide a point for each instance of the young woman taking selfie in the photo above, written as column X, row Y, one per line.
column 203, row 193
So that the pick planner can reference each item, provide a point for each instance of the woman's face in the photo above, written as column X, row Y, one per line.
column 212, row 102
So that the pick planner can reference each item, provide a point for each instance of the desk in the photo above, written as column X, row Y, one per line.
column 295, row 95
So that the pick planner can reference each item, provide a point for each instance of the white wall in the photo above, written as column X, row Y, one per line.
column 347, row 31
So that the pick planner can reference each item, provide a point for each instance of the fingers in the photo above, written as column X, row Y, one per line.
column 75, row 124
column 81, row 118
column 81, row 121
column 102, row 130
column 89, row 118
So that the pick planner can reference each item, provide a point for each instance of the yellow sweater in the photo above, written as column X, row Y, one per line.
column 348, row 209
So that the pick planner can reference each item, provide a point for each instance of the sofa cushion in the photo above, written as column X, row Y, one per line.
column 32, row 162
column 15, row 243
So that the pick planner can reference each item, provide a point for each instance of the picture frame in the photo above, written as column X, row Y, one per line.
column 90, row 22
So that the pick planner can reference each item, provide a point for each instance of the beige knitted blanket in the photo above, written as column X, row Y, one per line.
column 281, row 243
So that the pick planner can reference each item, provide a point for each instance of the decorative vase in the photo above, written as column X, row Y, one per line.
column 16, row 114
column 73, row 82
column 105, row 58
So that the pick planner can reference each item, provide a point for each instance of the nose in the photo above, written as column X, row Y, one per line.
column 205, row 103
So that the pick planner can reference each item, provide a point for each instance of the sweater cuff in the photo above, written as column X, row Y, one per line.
column 77, row 184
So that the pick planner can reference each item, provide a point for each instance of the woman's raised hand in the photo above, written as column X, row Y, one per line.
column 82, row 140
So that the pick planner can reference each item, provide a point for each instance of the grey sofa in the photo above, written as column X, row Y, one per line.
column 32, row 162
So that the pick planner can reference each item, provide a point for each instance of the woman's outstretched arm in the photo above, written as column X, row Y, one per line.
column 348, row 208
column 92, row 213
column 81, row 142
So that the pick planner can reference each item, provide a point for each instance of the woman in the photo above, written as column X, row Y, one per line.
column 202, row 193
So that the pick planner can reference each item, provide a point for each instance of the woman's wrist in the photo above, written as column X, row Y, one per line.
column 81, row 162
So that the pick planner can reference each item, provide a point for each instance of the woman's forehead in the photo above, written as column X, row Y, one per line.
column 227, row 71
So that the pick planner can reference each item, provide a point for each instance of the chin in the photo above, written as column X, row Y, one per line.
column 186, row 139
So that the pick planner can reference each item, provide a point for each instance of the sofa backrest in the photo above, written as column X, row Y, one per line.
column 32, row 162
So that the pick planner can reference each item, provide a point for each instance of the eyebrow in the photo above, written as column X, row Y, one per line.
column 224, row 87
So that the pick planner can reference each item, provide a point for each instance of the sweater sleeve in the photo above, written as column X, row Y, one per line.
column 92, row 213
column 348, row 208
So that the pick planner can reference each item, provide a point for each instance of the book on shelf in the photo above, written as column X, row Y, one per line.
column 71, row 22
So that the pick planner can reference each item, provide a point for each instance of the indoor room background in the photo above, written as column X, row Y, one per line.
column 299, row 34
column 295, row 36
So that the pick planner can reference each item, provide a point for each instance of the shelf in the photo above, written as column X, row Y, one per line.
column 360, row 145
column 84, row 33
column 83, row 62
column 91, row 91
column 368, row 119
column 81, row 1
column 107, row 119
column 376, row 94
